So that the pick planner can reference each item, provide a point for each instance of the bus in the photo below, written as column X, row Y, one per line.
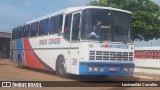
column 65, row 42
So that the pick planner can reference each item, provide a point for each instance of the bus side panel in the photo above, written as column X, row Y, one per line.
column 74, row 62
column 48, row 52
column 20, row 51
column 32, row 60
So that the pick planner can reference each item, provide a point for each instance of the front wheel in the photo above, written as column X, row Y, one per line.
column 61, row 67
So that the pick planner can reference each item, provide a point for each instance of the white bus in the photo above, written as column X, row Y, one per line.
column 66, row 42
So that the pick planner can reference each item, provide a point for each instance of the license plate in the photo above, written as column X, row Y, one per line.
column 112, row 69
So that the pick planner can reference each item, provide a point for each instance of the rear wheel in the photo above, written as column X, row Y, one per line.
column 61, row 67
column 20, row 65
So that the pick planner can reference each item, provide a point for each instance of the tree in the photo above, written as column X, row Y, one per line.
column 145, row 16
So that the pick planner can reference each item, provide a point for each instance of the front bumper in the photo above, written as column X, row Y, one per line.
column 106, row 68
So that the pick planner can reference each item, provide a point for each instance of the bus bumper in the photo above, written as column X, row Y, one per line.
column 105, row 68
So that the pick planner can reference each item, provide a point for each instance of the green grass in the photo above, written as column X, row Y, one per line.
column 154, row 68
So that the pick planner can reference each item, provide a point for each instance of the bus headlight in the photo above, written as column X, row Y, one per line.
column 101, row 69
column 131, row 70
column 89, row 69
column 95, row 69
column 126, row 69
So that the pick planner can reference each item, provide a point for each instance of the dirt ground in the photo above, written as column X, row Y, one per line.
column 10, row 72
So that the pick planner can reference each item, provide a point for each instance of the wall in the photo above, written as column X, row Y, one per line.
column 147, row 62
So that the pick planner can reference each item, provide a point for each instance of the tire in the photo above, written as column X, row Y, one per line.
column 20, row 65
column 61, row 67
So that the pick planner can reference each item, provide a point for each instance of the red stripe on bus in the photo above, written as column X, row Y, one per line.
column 30, row 57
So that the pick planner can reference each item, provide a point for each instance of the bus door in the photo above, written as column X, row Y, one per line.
column 75, row 38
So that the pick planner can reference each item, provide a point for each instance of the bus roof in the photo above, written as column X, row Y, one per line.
column 147, row 48
column 73, row 9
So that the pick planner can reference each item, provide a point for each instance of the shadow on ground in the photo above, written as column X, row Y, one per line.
column 90, row 78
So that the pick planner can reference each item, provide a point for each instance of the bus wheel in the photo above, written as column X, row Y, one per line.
column 20, row 65
column 61, row 67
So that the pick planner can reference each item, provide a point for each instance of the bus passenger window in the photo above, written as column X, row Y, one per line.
column 19, row 32
column 34, row 29
column 14, row 31
column 26, row 30
column 76, row 26
column 67, row 26
column 56, row 24
column 43, row 27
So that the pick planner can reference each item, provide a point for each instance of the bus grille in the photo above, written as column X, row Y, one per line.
column 111, row 56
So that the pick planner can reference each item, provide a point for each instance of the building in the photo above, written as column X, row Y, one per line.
column 5, row 44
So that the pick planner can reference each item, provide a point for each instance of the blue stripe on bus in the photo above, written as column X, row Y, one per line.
column 20, row 50
column 83, row 68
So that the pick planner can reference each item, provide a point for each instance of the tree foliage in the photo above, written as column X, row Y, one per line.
column 145, row 16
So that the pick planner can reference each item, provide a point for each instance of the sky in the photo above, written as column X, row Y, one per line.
column 17, row 12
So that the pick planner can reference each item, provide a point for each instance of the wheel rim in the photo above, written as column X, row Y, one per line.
column 62, row 68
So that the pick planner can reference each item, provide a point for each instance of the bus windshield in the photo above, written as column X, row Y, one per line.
column 106, row 25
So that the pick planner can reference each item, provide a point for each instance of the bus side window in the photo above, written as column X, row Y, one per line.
column 52, row 26
column 34, row 29
column 19, row 32
column 14, row 31
column 56, row 24
column 67, row 26
column 76, row 26
column 43, row 27
column 26, row 30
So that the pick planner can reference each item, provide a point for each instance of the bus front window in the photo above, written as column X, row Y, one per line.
column 105, row 25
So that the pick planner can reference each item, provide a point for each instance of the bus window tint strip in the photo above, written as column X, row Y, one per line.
column 14, row 31
column 34, row 29
column 43, row 27
column 26, row 30
column 19, row 32
column 56, row 24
